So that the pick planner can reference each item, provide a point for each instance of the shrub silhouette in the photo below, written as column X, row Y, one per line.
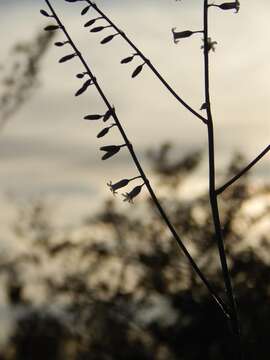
column 126, row 293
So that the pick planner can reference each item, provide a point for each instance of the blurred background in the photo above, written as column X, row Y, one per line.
column 53, row 183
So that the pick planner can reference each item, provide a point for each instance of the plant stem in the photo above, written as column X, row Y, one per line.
column 147, row 61
column 243, row 171
column 164, row 216
column 234, row 322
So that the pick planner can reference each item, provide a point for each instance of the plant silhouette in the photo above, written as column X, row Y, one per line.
column 226, row 301
column 122, row 289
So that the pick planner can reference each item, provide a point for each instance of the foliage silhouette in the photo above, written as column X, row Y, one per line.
column 20, row 76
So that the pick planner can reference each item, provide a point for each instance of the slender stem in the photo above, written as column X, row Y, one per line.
column 150, row 65
column 164, row 216
column 213, row 197
column 243, row 171
column 135, row 177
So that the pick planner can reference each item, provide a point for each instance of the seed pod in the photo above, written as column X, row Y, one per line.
column 107, row 115
column 44, row 13
column 127, row 60
column 97, row 29
column 84, row 87
column 90, row 22
column 107, row 39
column 110, row 151
column 93, row 117
column 85, row 10
column 58, row 43
column 103, row 132
column 109, row 147
column 51, row 28
column 67, row 57
column 137, row 71
column 80, row 76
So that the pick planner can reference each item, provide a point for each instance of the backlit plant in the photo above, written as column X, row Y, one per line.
column 227, row 306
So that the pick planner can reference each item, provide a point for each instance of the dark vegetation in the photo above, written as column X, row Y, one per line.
column 19, row 74
column 119, row 288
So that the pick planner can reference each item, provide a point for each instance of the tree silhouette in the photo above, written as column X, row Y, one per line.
column 124, row 289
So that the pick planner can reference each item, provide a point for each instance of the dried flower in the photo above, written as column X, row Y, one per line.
column 210, row 44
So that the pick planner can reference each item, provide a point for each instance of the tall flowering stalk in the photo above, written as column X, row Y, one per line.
column 111, row 150
column 208, row 45
column 228, row 307
column 137, row 52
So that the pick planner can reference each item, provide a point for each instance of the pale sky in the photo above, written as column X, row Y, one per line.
column 48, row 150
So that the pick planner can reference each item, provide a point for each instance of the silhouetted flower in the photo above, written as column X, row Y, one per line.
column 230, row 5
column 180, row 35
column 210, row 44
column 118, row 185
column 132, row 194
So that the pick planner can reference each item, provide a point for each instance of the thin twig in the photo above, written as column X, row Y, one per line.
column 212, row 194
column 242, row 172
column 164, row 216
column 147, row 61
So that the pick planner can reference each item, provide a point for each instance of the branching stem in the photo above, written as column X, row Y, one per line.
column 213, row 196
column 163, row 214
column 150, row 65
column 243, row 171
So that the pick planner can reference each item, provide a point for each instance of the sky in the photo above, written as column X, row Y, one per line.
column 48, row 151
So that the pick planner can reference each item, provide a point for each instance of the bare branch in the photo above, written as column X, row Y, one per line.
column 163, row 214
column 242, row 172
